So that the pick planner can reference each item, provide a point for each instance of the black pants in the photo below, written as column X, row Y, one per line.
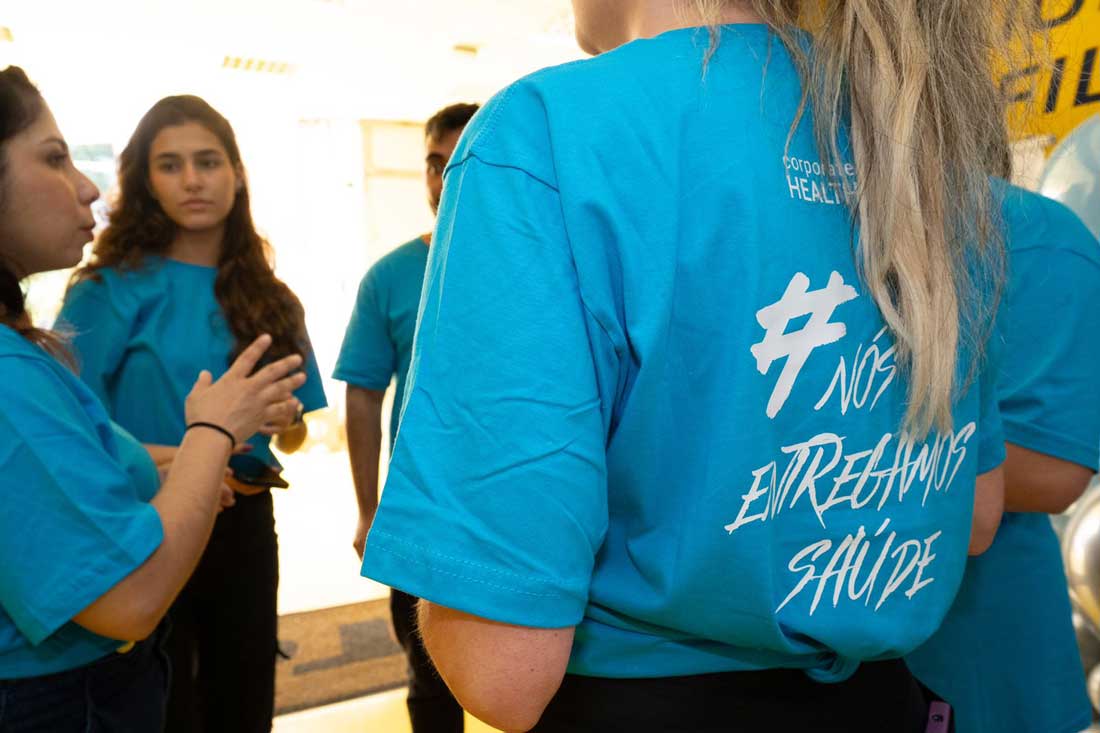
column 223, row 636
column 432, row 707
column 882, row 697
column 121, row 693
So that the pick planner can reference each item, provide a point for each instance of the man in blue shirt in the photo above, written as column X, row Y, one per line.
column 378, row 346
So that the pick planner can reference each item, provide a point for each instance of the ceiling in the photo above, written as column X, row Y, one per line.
column 311, row 58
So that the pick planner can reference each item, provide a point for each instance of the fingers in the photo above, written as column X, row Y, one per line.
column 284, row 389
column 280, row 415
column 278, row 369
column 203, row 381
column 250, row 357
column 291, row 409
column 227, row 497
column 241, row 449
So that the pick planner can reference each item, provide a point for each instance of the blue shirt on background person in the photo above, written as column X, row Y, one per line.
column 1006, row 655
column 379, row 338
column 76, row 516
column 648, row 393
column 148, row 333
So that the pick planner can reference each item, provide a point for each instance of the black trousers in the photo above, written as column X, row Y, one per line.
column 121, row 693
column 223, row 637
column 432, row 707
column 882, row 697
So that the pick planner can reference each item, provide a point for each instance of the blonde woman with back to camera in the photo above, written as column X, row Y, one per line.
column 699, row 428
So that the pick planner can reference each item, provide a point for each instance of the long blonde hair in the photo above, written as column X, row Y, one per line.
column 928, row 129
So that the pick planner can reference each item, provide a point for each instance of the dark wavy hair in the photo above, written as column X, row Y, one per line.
column 253, row 300
column 20, row 106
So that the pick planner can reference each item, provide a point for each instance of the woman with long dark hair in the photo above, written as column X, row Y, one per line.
column 94, row 546
column 180, row 279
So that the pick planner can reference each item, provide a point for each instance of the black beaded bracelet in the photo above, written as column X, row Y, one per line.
column 219, row 428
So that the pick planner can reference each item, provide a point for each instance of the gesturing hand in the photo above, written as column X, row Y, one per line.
column 242, row 402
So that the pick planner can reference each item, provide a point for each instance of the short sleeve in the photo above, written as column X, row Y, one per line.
column 991, row 436
column 496, row 499
column 73, row 525
column 100, row 332
column 1050, row 379
column 312, row 393
column 368, row 357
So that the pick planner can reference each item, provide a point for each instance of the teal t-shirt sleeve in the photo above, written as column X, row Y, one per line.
column 991, row 435
column 496, row 500
column 72, row 525
column 368, row 358
column 312, row 393
column 1050, row 387
column 99, row 329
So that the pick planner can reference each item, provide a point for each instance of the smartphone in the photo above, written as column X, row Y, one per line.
column 254, row 472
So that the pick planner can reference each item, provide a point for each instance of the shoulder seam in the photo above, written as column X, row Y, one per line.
column 569, row 243
column 470, row 155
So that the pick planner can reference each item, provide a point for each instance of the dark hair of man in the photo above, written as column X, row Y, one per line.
column 449, row 119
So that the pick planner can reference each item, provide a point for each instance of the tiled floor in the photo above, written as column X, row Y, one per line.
column 382, row 713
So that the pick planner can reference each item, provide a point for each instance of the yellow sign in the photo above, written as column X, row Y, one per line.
column 1055, row 99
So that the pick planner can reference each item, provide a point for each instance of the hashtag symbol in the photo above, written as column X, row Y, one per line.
column 797, row 346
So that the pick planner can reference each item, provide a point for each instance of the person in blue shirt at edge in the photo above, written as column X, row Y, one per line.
column 377, row 347
column 180, row 280
column 93, row 546
column 1006, row 655
column 668, row 429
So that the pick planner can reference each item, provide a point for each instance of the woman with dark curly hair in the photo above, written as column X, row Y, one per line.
column 94, row 545
column 180, row 280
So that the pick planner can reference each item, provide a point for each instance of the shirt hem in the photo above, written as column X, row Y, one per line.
column 98, row 578
column 361, row 382
column 1052, row 443
column 427, row 574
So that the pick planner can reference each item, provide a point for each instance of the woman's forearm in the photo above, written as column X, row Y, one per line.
column 1036, row 482
column 162, row 455
column 989, row 504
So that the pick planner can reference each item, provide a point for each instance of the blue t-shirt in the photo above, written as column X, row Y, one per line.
column 379, row 339
column 143, row 336
column 1006, row 656
column 649, row 394
column 76, row 519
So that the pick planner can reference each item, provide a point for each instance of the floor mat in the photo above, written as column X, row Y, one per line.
column 336, row 654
